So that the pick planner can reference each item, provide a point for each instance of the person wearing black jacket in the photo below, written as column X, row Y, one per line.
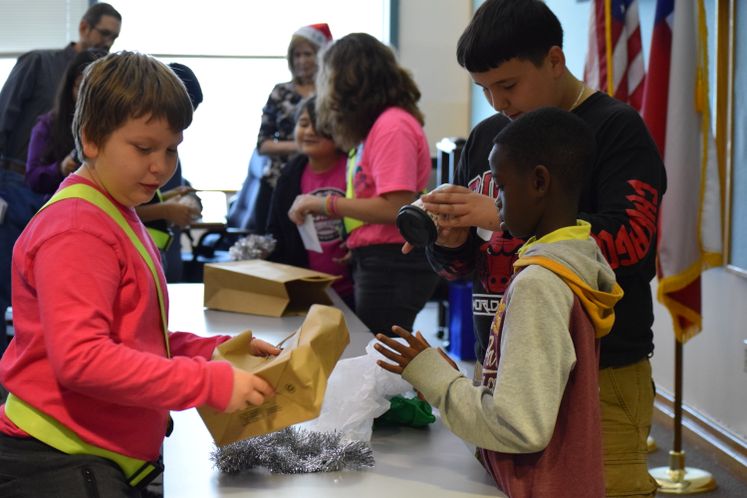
column 513, row 50
column 289, row 247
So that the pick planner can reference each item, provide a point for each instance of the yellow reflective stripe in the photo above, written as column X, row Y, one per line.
column 90, row 194
column 51, row 432
column 161, row 238
column 351, row 223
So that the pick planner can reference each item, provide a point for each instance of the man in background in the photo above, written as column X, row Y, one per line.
column 27, row 93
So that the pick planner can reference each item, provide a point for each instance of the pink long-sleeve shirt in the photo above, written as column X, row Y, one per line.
column 89, row 348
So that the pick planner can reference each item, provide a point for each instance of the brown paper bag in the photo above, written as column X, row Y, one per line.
column 264, row 288
column 299, row 376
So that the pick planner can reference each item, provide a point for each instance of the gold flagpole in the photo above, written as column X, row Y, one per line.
column 677, row 478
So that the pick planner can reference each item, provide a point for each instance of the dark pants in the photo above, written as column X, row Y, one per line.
column 23, row 203
column 390, row 287
column 31, row 469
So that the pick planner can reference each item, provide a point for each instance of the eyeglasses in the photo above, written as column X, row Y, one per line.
column 105, row 33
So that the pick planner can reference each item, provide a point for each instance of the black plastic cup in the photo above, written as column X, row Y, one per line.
column 416, row 225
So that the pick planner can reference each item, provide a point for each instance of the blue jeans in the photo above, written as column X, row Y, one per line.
column 23, row 203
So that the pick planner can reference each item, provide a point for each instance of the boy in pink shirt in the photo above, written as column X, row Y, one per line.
column 93, row 370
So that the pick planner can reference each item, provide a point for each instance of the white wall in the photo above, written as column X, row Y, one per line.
column 714, row 362
column 428, row 33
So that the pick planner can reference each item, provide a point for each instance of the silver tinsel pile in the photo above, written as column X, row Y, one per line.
column 294, row 451
column 252, row 246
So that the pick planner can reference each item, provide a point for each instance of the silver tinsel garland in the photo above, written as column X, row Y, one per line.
column 252, row 246
column 294, row 451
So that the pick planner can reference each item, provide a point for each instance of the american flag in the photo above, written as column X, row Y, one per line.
column 614, row 63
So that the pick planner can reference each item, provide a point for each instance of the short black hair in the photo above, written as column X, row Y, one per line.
column 557, row 139
column 98, row 10
column 309, row 105
column 504, row 29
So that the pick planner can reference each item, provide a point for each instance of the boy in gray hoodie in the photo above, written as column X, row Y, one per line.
column 535, row 418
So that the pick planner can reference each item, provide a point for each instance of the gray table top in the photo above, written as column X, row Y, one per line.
column 409, row 462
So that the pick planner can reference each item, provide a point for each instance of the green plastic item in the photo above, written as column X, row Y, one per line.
column 413, row 412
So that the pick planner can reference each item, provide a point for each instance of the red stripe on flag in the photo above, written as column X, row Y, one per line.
column 630, row 42
column 656, row 89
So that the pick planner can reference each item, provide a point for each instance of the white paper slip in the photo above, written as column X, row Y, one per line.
column 308, row 234
column 484, row 234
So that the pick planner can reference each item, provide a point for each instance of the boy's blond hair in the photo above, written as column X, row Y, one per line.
column 128, row 85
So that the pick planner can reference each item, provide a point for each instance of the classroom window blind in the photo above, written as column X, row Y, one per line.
column 237, row 50
column 29, row 24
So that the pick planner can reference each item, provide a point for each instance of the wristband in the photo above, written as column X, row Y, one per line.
column 333, row 205
column 326, row 205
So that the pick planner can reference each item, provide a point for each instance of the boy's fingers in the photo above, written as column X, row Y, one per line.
column 395, row 369
column 407, row 335
column 388, row 341
column 422, row 339
column 272, row 351
column 255, row 398
column 264, row 387
column 447, row 211
column 388, row 353
column 446, row 193
column 392, row 343
column 403, row 333
column 454, row 221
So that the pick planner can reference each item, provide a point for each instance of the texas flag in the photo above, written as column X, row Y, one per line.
column 676, row 108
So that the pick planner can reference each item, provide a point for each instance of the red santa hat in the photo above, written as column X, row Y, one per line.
column 318, row 34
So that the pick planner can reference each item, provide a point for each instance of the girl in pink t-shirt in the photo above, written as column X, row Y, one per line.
column 370, row 108
column 319, row 171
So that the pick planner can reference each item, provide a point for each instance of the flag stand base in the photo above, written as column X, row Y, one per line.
column 680, row 480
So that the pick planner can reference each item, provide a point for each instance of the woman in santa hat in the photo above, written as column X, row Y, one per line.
column 276, row 139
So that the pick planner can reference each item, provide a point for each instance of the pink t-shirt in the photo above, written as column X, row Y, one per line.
column 329, row 230
column 395, row 158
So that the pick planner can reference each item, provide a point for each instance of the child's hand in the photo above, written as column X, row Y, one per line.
column 258, row 347
column 347, row 258
column 248, row 389
column 305, row 204
column 177, row 192
column 69, row 164
column 459, row 207
column 178, row 213
column 400, row 354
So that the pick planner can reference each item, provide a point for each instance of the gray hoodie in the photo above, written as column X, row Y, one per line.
column 518, row 414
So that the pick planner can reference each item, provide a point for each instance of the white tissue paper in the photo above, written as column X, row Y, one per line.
column 358, row 391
